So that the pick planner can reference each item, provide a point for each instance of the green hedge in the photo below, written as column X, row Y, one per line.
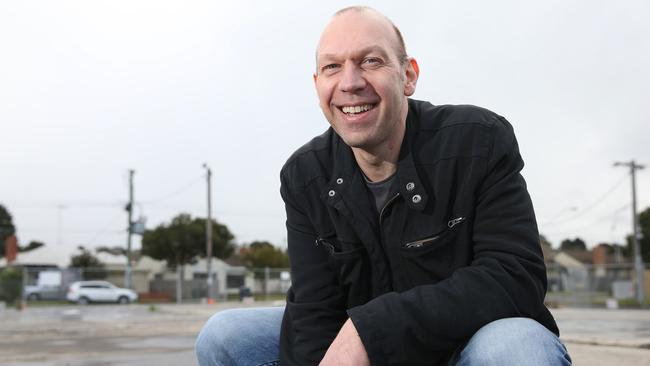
column 11, row 281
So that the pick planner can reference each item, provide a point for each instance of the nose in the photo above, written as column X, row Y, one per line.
column 351, row 78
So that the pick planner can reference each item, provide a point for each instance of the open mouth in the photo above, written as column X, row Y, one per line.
column 357, row 109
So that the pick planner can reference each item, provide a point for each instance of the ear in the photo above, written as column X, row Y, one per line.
column 315, row 76
column 412, row 73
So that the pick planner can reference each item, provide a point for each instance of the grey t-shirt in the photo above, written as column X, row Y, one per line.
column 380, row 190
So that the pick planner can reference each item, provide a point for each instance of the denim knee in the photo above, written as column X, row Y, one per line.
column 514, row 341
column 233, row 337
column 210, row 345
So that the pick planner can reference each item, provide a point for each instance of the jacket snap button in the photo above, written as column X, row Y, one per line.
column 416, row 199
column 410, row 186
column 339, row 181
column 331, row 193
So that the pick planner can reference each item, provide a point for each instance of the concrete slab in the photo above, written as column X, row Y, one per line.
column 133, row 335
column 606, row 327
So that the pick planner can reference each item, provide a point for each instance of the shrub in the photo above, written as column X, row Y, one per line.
column 11, row 281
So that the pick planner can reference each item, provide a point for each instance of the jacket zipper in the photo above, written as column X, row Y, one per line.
column 326, row 244
column 381, row 236
column 381, row 214
column 419, row 243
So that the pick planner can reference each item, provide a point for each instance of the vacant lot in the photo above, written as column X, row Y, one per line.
column 164, row 335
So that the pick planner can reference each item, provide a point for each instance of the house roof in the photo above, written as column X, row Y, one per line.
column 583, row 256
column 45, row 255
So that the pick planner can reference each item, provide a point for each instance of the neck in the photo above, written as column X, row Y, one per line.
column 380, row 162
column 375, row 168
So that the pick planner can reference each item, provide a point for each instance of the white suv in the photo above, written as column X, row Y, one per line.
column 84, row 292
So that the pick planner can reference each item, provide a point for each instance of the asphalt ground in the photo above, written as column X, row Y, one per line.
column 137, row 334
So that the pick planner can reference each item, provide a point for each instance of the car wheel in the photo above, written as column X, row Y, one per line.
column 33, row 297
column 123, row 300
column 83, row 301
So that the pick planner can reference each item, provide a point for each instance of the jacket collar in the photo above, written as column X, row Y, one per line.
column 409, row 183
column 347, row 181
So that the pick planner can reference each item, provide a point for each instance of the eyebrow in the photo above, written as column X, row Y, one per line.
column 363, row 51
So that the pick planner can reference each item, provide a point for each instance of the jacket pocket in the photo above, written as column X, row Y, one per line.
column 340, row 249
column 350, row 260
column 431, row 258
column 419, row 246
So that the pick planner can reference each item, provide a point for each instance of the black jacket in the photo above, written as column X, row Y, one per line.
column 455, row 248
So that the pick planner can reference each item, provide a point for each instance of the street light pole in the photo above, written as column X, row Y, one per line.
column 208, row 236
column 636, row 235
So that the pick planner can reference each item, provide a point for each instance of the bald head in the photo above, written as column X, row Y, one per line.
column 363, row 79
column 400, row 46
column 397, row 41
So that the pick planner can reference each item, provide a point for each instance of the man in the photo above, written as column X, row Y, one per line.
column 411, row 235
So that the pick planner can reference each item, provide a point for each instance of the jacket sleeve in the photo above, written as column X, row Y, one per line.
column 506, row 277
column 315, row 309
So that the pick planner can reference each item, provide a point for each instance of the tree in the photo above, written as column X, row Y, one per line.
column 573, row 244
column 182, row 241
column 31, row 246
column 644, row 223
column 259, row 254
column 91, row 266
column 7, row 228
column 544, row 242
column 644, row 242
column 614, row 248
column 112, row 250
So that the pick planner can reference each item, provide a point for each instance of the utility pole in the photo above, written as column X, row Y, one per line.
column 636, row 235
column 129, row 208
column 208, row 235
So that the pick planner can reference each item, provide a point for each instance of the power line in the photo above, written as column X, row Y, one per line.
column 173, row 193
column 558, row 215
column 68, row 204
column 580, row 213
column 52, row 230
column 220, row 213
column 613, row 215
column 105, row 229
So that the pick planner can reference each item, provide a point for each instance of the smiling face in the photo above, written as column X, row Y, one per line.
column 362, row 84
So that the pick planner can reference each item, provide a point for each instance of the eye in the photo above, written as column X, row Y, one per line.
column 329, row 67
column 372, row 61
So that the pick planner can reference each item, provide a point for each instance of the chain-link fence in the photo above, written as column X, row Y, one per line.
column 576, row 285
column 588, row 285
column 39, row 283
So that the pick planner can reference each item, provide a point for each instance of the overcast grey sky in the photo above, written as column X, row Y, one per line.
column 89, row 89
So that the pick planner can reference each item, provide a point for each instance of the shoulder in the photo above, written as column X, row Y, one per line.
column 457, row 130
column 310, row 161
column 432, row 116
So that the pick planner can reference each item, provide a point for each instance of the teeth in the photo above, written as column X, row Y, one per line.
column 357, row 109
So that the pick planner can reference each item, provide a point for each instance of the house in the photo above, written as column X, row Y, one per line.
column 147, row 274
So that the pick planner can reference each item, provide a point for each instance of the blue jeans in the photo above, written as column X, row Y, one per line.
column 250, row 337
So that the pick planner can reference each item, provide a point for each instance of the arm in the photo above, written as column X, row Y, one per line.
column 315, row 308
column 506, row 277
column 346, row 349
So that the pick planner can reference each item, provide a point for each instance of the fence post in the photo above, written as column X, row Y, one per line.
column 267, row 276
column 179, row 289
column 23, row 294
